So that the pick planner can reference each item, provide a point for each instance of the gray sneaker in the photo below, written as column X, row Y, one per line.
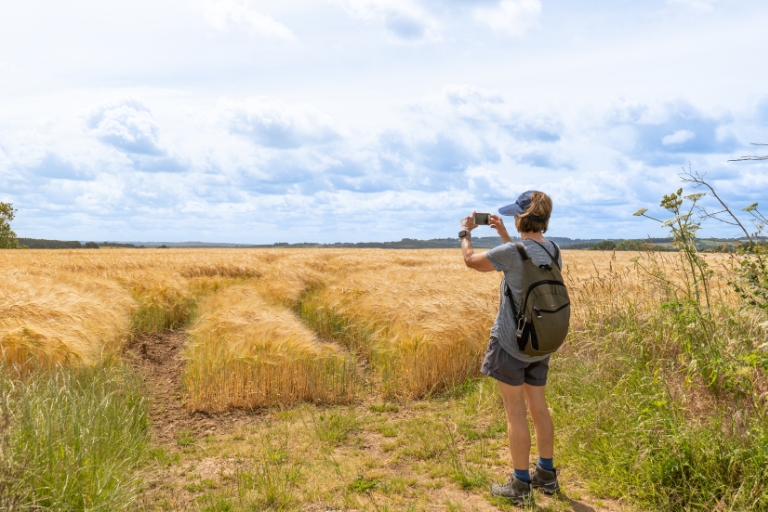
column 544, row 480
column 515, row 490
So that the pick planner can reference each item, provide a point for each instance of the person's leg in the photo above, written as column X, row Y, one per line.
column 542, row 420
column 544, row 476
column 517, row 425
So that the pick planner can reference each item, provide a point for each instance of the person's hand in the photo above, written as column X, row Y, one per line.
column 498, row 224
column 468, row 223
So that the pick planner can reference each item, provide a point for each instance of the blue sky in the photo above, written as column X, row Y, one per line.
column 371, row 120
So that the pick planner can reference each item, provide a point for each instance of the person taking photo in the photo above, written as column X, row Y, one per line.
column 521, row 377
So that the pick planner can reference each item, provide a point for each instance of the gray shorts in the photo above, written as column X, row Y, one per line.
column 500, row 365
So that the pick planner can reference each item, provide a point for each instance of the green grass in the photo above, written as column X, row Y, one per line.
column 74, row 439
column 334, row 426
column 156, row 313
column 659, row 410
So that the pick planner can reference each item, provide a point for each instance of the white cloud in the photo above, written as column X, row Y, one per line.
column 276, row 124
column 678, row 137
column 403, row 18
column 225, row 15
column 463, row 94
column 514, row 18
column 353, row 125
column 126, row 124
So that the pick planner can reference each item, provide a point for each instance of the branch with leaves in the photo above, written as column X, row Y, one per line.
column 7, row 236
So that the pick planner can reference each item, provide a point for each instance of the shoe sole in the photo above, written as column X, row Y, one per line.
column 545, row 490
column 516, row 501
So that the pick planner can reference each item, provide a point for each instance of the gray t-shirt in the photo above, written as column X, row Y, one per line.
column 505, row 258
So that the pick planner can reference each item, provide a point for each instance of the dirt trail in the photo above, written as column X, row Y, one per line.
column 159, row 358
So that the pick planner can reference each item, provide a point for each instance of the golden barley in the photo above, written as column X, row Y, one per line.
column 247, row 353
column 417, row 320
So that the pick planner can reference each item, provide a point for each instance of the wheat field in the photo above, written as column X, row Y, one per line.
column 276, row 326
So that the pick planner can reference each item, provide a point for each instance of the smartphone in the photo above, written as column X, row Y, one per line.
column 482, row 219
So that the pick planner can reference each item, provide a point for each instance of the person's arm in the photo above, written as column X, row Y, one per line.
column 498, row 225
column 477, row 261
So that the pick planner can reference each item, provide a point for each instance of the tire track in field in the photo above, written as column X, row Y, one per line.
column 159, row 358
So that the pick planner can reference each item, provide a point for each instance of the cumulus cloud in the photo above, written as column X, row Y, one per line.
column 514, row 18
column 226, row 15
column 54, row 167
column 462, row 148
column 537, row 130
column 127, row 125
column 761, row 112
column 404, row 19
column 278, row 125
column 679, row 137
column 666, row 135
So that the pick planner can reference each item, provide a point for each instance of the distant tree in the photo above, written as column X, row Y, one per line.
column 605, row 245
column 91, row 245
column 631, row 245
column 7, row 236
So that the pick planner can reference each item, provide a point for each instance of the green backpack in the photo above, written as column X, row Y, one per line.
column 545, row 309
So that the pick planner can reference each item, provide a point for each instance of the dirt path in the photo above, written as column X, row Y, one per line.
column 177, row 486
column 159, row 358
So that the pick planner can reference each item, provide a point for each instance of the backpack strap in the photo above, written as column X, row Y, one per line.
column 508, row 293
column 507, row 290
column 554, row 258
column 521, row 250
column 515, row 314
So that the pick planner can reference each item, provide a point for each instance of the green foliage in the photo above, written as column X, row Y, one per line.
column 37, row 243
column 666, row 408
column 76, row 438
column 385, row 407
column 683, row 229
column 185, row 438
column 363, row 484
column 632, row 245
column 333, row 427
column 160, row 310
column 605, row 245
column 752, row 283
column 632, row 433
column 468, row 476
column 271, row 482
column 7, row 236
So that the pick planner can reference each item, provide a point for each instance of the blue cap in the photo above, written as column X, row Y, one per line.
column 521, row 206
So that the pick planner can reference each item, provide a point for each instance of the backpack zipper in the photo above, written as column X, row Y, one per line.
column 538, row 310
column 534, row 285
